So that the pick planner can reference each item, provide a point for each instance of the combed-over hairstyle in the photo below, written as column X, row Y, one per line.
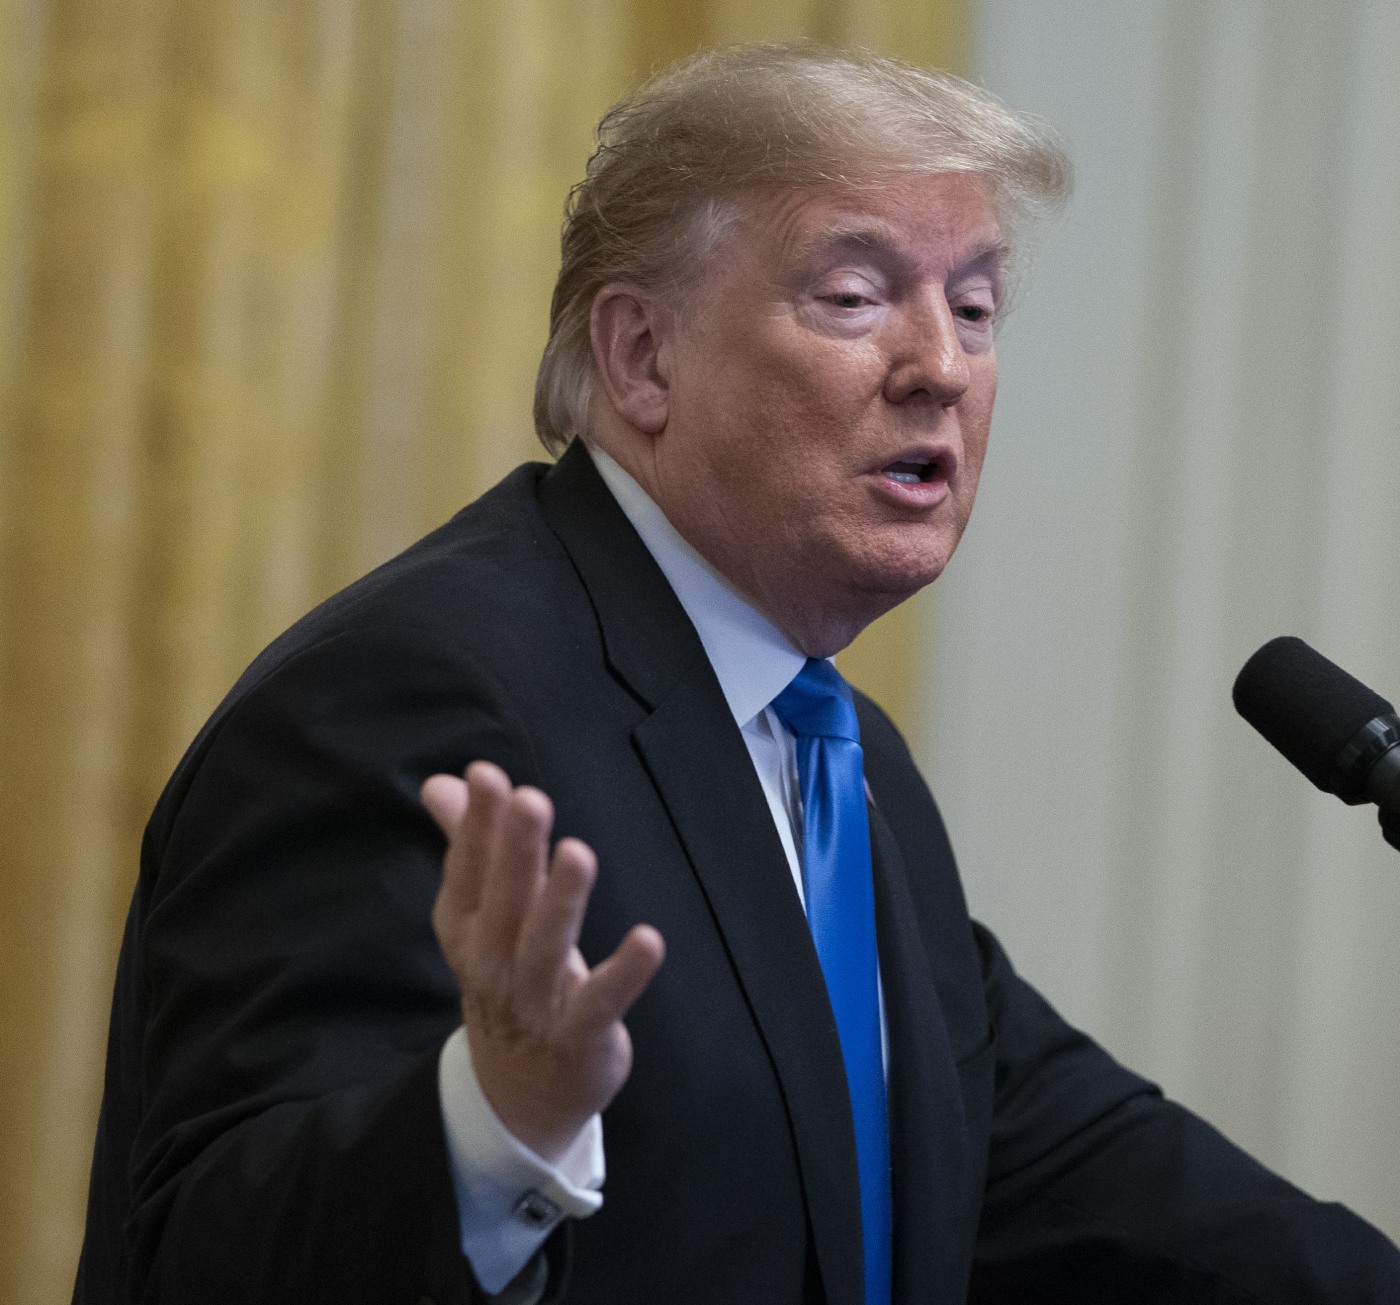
column 673, row 157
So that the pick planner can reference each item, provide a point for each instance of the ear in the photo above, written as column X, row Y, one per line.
column 629, row 330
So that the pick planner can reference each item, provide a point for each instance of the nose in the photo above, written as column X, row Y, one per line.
column 927, row 361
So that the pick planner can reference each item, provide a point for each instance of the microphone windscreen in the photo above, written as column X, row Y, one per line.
column 1306, row 706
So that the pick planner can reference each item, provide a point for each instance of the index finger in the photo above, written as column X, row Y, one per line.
column 468, row 812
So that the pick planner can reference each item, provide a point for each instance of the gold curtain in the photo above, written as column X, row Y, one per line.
column 273, row 282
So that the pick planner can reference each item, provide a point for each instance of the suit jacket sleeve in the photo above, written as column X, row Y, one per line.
column 1097, row 1189
column 1083, row 1204
column 271, row 1128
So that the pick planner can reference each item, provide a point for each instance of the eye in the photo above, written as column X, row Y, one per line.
column 974, row 300
column 845, row 299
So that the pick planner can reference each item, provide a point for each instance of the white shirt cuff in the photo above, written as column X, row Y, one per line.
column 508, row 1198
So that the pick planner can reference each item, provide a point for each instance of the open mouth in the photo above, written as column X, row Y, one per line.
column 917, row 470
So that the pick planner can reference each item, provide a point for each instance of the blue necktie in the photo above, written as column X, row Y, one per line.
column 840, row 894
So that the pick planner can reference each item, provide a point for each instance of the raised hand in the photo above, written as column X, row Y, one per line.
column 547, row 1040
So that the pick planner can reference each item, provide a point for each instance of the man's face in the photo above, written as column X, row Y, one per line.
column 831, row 379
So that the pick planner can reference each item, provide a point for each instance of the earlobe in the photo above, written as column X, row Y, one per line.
column 626, row 327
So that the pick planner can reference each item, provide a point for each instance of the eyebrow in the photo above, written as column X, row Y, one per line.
column 868, row 238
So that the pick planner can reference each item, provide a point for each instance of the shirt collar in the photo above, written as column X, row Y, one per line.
column 752, row 659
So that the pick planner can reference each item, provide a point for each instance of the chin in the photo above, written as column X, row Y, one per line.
column 893, row 579
column 850, row 590
column 872, row 596
column 905, row 559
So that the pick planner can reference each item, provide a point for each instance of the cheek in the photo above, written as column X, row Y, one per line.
column 760, row 437
column 975, row 454
column 977, row 431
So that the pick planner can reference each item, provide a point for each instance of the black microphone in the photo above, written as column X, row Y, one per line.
column 1340, row 734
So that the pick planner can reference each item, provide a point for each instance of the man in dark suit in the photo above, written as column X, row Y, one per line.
column 344, row 1068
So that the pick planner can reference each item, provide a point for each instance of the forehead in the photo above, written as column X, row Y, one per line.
column 929, row 220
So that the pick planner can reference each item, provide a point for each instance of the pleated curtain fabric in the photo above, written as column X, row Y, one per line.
column 273, row 284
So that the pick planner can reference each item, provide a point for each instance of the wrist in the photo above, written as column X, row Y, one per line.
column 536, row 1118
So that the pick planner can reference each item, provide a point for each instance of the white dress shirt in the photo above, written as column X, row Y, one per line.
column 509, row 1199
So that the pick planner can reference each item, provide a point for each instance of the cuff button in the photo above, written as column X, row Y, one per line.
column 537, row 1210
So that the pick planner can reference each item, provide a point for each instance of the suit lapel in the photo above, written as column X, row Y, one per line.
column 928, row 1130
column 728, row 834
column 704, row 776
column 647, row 637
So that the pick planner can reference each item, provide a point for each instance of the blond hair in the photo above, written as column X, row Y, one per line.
column 674, row 157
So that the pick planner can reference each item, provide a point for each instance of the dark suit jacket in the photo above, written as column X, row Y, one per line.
column 271, row 1129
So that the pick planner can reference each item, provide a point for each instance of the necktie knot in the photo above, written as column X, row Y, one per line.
column 818, row 704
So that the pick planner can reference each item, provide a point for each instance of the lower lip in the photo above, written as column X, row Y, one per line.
column 915, row 494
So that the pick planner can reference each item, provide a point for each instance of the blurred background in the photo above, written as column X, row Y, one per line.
column 1196, row 448
column 273, row 283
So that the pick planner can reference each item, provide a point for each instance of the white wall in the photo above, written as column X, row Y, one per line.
column 1197, row 447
